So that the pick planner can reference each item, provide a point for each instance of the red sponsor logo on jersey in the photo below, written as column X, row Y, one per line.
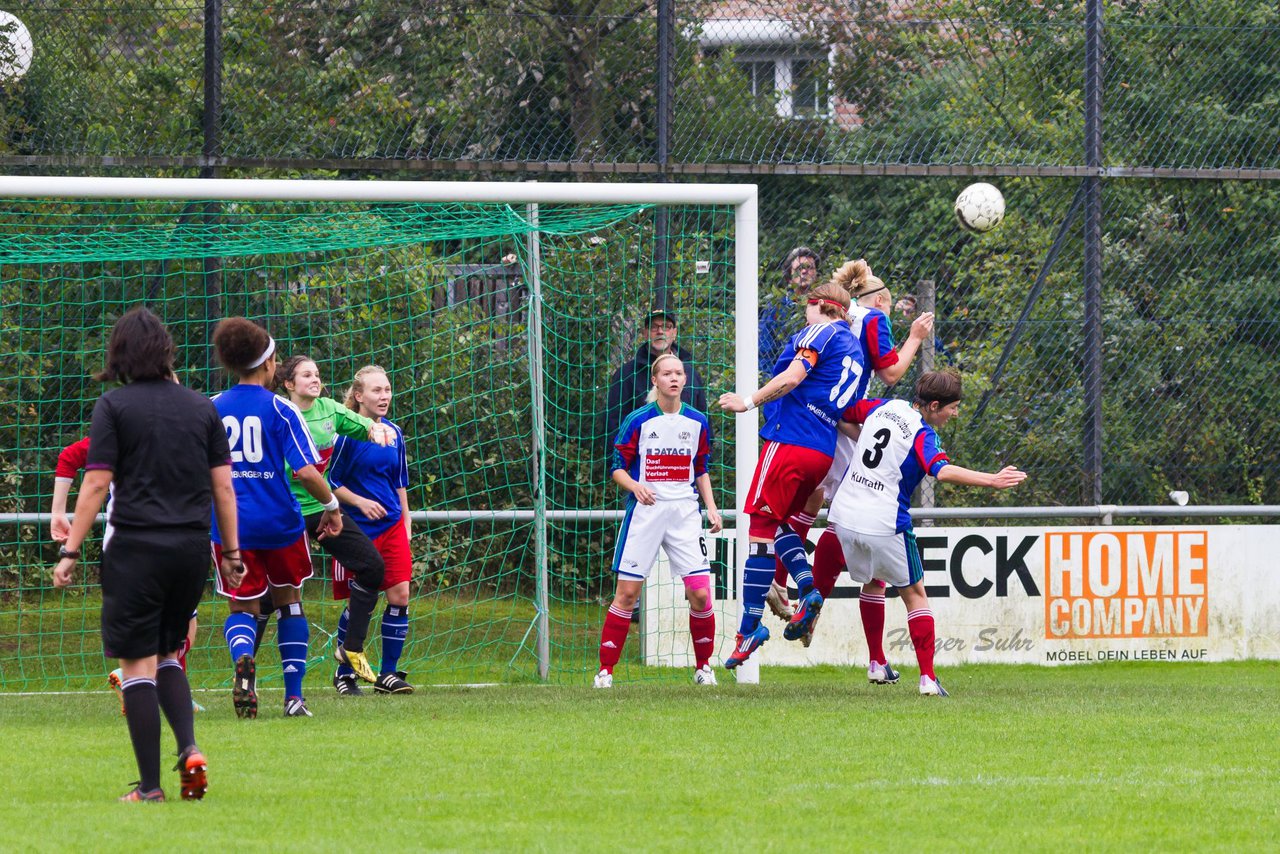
column 661, row 468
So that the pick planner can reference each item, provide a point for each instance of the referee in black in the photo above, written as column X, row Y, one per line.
column 163, row 451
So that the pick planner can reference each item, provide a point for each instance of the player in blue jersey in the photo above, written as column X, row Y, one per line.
column 871, row 513
column 268, row 439
column 869, row 322
column 660, row 457
column 373, row 482
column 814, row 380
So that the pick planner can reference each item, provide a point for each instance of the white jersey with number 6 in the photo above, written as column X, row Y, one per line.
column 894, row 453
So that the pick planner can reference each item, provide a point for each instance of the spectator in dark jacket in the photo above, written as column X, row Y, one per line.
column 780, row 314
column 631, row 383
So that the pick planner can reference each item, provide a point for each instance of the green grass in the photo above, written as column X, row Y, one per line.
column 1108, row 757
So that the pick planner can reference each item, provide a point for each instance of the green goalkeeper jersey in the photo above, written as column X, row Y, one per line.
column 326, row 420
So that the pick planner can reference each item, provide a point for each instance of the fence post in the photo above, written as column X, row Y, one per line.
column 541, row 594
column 662, row 216
column 1092, row 445
column 210, row 124
column 926, row 297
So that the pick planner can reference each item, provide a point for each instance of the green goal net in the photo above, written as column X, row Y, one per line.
column 500, row 325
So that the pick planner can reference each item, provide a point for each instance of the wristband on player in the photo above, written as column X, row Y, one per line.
column 333, row 503
column 749, row 402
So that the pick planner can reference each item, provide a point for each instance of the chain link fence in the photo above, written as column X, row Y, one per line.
column 860, row 122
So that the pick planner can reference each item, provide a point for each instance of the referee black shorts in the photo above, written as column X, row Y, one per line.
column 151, row 582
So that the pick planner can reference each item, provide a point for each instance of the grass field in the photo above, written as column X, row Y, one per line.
column 1106, row 757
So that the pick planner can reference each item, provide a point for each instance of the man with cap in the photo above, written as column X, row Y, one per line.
column 630, row 384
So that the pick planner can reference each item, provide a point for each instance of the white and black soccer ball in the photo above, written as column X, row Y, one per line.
column 979, row 207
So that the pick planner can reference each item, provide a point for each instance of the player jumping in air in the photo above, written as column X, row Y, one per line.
column 268, row 439
column 660, row 457
column 373, row 481
column 815, row 380
column 870, row 517
column 869, row 322
column 326, row 419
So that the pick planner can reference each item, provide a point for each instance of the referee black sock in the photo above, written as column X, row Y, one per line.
column 363, row 601
column 142, row 713
column 174, row 692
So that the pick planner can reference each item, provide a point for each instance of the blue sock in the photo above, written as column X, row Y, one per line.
column 343, row 670
column 756, row 579
column 292, row 634
column 395, row 628
column 790, row 549
column 240, row 630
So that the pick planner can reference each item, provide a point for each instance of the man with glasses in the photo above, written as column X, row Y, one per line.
column 799, row 275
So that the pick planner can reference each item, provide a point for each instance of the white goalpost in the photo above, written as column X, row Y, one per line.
column 743, row 198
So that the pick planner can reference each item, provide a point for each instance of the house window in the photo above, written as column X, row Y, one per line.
column 761, row 77
column 793, row 85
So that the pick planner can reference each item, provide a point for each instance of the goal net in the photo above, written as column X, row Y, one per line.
column 500, row 312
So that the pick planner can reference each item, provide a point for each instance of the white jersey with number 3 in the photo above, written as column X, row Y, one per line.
column 894, row 453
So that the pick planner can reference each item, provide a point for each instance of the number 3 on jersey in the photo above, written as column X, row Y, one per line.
column 850, row 374
column 251, row 432
column 871, row 456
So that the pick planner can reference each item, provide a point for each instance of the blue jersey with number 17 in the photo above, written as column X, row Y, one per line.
column 807, row 416
column 266, row 433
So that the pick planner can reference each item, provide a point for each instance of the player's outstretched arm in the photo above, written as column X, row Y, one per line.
column 775, row 388
column 642, row 493
column 709, row 501
column 1007, row 478
column 921, row 328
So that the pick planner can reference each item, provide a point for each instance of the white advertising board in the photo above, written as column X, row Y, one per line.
column 1051, row 595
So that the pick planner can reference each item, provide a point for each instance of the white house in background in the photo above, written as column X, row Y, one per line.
column 787, row 61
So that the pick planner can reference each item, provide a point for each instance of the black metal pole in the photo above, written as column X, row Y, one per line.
column 666, row 93
column 211, row 120
column 1093, row 83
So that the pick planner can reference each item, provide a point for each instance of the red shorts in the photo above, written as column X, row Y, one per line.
column 287, row 566
column 785, row 477
column 393, row 545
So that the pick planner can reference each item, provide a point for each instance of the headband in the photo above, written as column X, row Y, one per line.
column 266, row 354
column 827, row 302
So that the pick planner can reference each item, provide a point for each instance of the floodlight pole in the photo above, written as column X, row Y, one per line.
column 1091, row 491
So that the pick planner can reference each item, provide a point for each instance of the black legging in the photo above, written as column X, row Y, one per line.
column 355, row 551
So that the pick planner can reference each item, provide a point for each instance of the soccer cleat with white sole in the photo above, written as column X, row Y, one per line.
column 882, row 674
column 778, row 602
column 392, row 683
column 296, row 707
column 704, row 675
column 807, row 638
column 604, row 679
column 932, row 688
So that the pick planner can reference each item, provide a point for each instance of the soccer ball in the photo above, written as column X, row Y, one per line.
column 979, row 207
column 16, row 49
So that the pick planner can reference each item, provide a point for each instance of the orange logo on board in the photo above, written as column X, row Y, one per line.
column 1126, row 584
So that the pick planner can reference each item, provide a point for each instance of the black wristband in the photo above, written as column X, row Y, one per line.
column 64, row 552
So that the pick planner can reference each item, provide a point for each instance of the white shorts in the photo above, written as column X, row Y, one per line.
column 676, row 526
column 839, row 465
column 891, row 558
